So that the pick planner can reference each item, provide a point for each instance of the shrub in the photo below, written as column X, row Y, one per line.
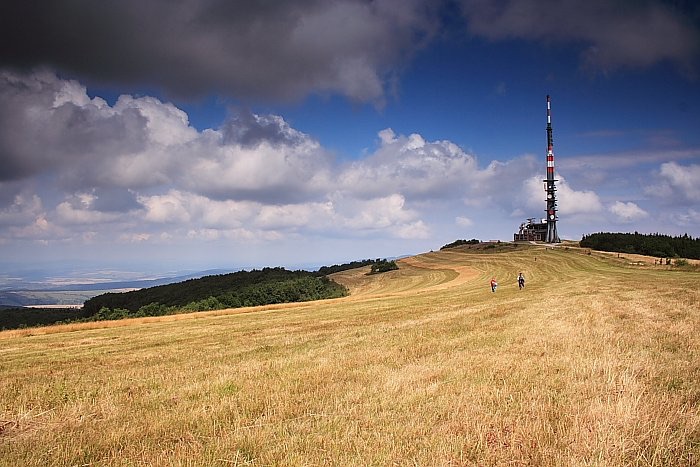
column 383, row 266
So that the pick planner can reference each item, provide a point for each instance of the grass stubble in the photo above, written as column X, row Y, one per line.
column 594, row 363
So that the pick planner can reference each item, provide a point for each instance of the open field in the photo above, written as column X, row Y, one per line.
column 596, row 362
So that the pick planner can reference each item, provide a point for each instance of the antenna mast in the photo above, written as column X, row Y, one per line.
column 550, row 188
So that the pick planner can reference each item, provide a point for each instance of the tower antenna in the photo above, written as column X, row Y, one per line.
column 550, row 188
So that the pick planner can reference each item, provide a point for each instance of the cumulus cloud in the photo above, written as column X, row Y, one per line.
column 570, row 202
column 463, row 221
column 245, row 49
column 412, row 166
column 79, row 210
column 676, row 183
column 375, row 213
column 178, row 207
column 289, row 166
column 295, row 216
column 612, row 34
column 46, row 123
column 686, row 218
column 573, row 202
column 23, row 210
column 49, row 125
column 627, row 212
column 254, row 177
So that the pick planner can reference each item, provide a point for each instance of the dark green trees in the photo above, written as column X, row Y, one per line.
column 661, row 246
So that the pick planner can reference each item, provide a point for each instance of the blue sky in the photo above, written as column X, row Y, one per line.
column 213, row 134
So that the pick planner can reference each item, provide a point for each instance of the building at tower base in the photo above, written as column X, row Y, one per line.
column 531, row 231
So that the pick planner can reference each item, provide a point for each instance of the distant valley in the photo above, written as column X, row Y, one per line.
column 36, row 292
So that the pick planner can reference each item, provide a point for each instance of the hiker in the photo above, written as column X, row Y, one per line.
column 521, row 281
column 494, row 284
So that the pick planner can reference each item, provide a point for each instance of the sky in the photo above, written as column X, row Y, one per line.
column 206, row 134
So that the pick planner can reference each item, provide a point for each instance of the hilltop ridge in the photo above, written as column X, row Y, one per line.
column 595, row 361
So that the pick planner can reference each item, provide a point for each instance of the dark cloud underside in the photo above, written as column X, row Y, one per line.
column 252, row 49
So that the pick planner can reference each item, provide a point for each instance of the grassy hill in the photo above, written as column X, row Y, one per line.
column 595, row 362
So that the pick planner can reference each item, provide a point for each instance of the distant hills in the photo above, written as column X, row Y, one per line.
column 33, row 294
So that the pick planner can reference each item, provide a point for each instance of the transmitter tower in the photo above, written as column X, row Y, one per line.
column 550, row 185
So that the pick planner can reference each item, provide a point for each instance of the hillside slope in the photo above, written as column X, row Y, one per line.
column 595, row 362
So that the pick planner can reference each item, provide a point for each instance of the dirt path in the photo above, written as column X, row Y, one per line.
column 464, row 273
column 415, row 274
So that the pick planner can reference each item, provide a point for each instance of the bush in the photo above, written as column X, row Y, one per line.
column 383, row 266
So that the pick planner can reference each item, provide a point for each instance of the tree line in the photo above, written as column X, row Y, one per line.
column 243, row 288
column 24, row 317
column 327, row 270
column 658, row 245
column 457, row 243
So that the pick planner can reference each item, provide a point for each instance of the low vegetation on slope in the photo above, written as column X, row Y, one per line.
column 595, row 362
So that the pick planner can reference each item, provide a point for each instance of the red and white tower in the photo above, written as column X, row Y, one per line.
column 550, row 188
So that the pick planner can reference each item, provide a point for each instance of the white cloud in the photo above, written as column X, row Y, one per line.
column 570, row 202
column 373, row 214
column 70, row 213
column 411, row 166
column 677, row 183
column 687, row 218
column 148, row 177
column 266, row 172
column 24, row 209
column 387, row 136
column 414, row 230
column 134, row 237
column 168, row 208
column 254, row 178
column 183, row 208
column 309, row 215
column 627, row 212
column 166, row 125
column 463, row 221
column 573, row 202
column 145, row 165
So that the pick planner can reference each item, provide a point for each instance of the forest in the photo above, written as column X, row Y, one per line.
column 22, row 317
column 243, row 288
column 661, row 246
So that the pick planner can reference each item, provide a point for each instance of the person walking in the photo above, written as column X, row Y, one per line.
column 494, row 284
column 521, row 281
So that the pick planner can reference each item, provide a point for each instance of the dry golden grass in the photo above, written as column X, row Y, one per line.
column 594, row 363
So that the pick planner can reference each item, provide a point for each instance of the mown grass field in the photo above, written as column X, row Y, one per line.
column 595, row 363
